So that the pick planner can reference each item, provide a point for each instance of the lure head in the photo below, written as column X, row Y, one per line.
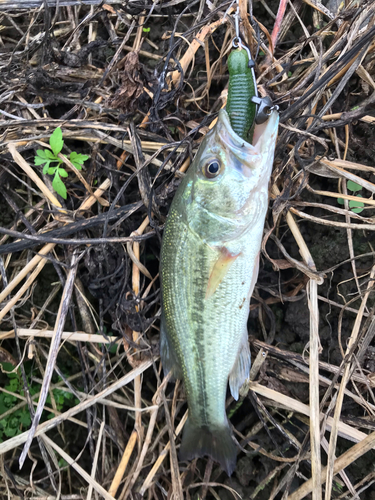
column 227, row 183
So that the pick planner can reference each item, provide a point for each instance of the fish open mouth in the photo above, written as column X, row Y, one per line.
column 262, row 133
column 254, row 155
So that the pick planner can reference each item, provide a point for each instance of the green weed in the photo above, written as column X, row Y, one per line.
column 46, row 157
column 355, row 206
column 19, row 420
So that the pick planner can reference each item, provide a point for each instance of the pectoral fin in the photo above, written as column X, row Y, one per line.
column 220, row 269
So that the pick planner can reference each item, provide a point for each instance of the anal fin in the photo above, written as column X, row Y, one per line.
column 241, row 368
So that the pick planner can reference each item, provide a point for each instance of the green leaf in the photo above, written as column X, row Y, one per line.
column 39, row 161
column 7, row 368
column 356, row 206
column 52, row 170
column 340, row 201
column 25, row 419
column 77, row 159
column 34, row 389
column 146, row 30
column 10, row 431
column 353, row 186
column 9, row 400
column 113, row 349
column 46, row 168
column 56, row 141
column 41, row 153
column 13, row 385
column 50, row 156
column 3, row 407
column 63, row 172
column 73, row 156
column 59, row 186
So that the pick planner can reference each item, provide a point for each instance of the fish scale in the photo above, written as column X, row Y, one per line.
column 209, row 265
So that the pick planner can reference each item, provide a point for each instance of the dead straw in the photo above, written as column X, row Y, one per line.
column 318, row 67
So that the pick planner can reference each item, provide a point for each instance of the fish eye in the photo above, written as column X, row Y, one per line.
column 212, row 169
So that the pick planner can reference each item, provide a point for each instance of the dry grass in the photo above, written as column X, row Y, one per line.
column 138, row 102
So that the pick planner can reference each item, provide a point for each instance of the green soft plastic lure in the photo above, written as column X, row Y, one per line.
column 240, row 108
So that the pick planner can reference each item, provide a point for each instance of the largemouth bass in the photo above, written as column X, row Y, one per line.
column 209, row 266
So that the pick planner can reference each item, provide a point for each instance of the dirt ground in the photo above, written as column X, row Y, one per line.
column 134, row 86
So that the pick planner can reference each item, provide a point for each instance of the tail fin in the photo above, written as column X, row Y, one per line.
column 216, row 442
